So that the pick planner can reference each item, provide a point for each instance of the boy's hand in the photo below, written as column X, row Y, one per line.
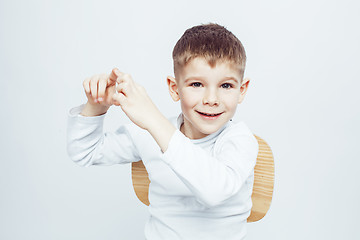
column 100, row 88
column 135, row 102
column 138, row 106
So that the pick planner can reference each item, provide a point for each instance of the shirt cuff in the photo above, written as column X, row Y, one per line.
column 74, row 113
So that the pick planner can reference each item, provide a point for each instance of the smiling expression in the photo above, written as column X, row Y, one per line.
column 209, row 96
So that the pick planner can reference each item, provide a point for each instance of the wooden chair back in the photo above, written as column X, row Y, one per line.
column 263, row 182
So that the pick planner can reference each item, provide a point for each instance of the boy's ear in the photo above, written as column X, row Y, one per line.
column 173, row 88
column 243, row 89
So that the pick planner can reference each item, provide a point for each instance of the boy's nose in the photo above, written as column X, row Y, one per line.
column 210, row 98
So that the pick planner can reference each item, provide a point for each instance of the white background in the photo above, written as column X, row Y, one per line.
column 303, row 99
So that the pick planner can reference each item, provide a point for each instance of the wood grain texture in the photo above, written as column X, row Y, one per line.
column 262, row 190
column 263, row 182
column 141, row 181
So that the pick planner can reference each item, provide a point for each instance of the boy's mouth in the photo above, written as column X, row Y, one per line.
column 209, row 115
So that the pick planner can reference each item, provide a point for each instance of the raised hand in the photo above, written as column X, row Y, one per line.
column 100, row 88
column 137, row 105
column 134, row 101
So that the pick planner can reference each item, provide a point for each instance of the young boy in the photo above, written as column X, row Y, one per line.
column 200, row 164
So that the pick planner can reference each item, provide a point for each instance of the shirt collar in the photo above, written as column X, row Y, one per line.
column 180, row 121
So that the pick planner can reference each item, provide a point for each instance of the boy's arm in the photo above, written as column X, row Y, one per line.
column 214, row 178
column 87, row 144
column 137, row 105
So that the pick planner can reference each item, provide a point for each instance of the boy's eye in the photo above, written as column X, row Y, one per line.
column 226, row 85
column 196, row 84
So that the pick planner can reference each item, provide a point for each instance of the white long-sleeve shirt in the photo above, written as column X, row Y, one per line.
column 199, row 189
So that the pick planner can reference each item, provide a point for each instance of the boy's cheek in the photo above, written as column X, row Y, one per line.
column 189, row 99
column 229, row 97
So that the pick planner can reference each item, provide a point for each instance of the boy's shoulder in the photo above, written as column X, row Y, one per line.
column 238, row 131
column 237, row 128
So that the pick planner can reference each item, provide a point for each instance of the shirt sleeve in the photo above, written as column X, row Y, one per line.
column 213, row 179
column 87, row 144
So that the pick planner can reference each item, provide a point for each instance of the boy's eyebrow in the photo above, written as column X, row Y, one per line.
column 201, row 78
column 191, row 78
column 231, row 78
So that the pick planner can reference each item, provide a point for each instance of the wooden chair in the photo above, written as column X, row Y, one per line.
column 263, row 182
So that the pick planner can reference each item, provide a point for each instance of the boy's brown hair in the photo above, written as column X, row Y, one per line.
column 211, row 42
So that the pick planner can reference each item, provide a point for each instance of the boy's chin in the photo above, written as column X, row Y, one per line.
column 211, row 129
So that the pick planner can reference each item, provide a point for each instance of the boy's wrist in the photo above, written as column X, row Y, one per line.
column 91, row 110
column 155, row 120
column 161, row 130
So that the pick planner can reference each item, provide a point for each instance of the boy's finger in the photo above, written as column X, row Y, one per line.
column 122, row 88
column 119, row 99
column 94, row 86
column 115, row 73
column 124, row 77
column 114, row 100
column 102, row 87
column 127, row 77
column 86, row 85
column 88, row 95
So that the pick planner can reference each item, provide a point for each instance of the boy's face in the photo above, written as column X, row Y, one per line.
column 208, row 96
